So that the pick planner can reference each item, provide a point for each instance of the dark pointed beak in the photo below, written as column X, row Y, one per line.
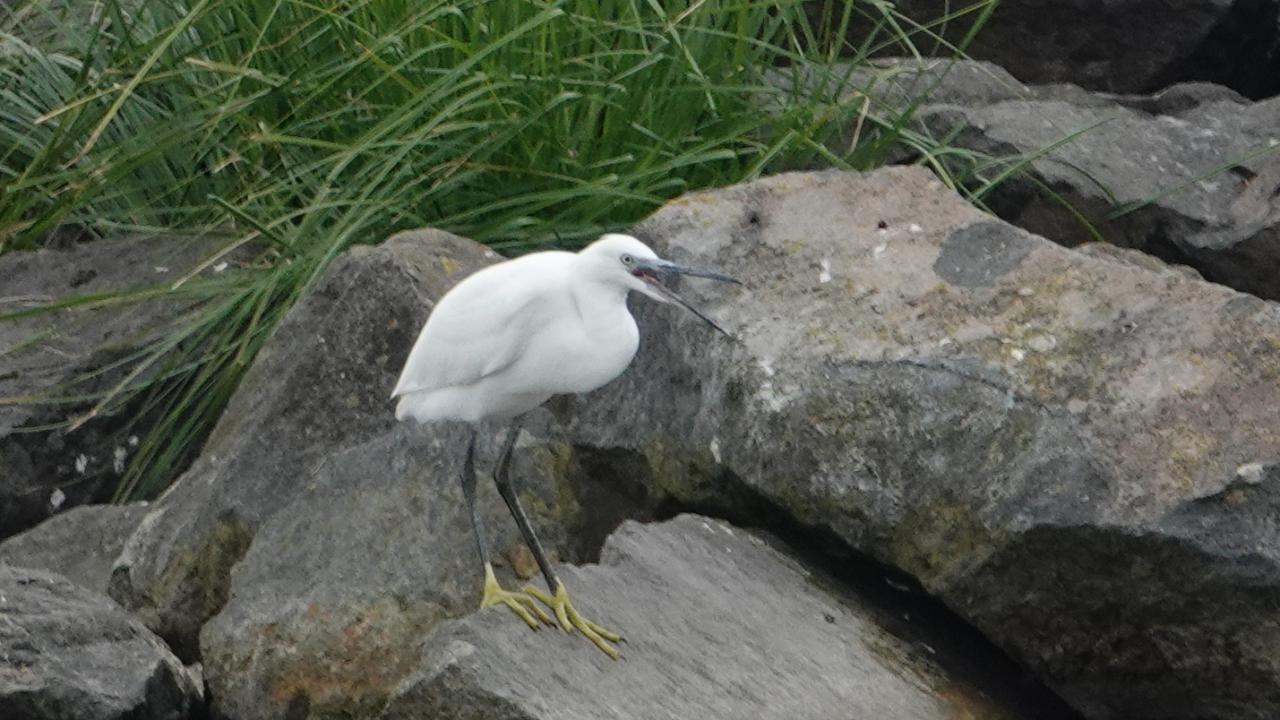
column 652, row 271
column 671, row 267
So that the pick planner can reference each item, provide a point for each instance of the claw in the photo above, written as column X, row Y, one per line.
column 520, row 603
column 570, row 619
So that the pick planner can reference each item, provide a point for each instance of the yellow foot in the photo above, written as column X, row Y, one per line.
column 520, row 603
column 570, row 619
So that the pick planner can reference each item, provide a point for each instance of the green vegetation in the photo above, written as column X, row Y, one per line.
column 296, row 129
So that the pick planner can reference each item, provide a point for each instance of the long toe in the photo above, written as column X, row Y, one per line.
column 535, row 608
column 553, row 602
column 603, row 632
column 522, row 604
column 570, row 619
column 596, row 634
column 519, row 609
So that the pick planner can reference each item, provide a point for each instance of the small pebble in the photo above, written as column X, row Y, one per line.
column 1251, row 473
column 1042, row 343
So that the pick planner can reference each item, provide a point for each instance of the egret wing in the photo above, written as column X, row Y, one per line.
column 474, row 332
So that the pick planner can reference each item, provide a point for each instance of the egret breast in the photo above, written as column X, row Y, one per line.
column 589, row 344
column 611, row 351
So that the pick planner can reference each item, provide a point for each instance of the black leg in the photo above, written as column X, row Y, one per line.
column 568, row 617
column 502, row 479
column 469, row 490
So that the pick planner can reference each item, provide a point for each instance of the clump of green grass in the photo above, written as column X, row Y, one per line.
column 301, row 128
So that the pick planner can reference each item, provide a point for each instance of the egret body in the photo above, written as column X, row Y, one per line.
column 509, row 337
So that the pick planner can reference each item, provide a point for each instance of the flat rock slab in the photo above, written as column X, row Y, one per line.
column 718, row 625
column 69, row 654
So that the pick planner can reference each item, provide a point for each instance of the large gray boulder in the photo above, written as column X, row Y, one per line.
column 1070, row 449
column 1072, row 452
column 718, row 624
column 81, row 544
column 69, row 654
column 1116, row 45
column 311, row 550
column 44, row 466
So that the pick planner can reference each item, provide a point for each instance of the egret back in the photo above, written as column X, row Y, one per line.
column 506, row 339
column 482, row 324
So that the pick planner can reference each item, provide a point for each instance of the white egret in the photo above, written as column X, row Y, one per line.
column 508, row 338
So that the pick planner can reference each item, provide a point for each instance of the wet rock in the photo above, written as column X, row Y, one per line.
column 69, row 654
column 1047, row 440
column 80, row 544
column 44, row 466
column 718, row 623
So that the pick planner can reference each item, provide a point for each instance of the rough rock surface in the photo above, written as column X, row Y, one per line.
column 1121, row 45
column 718, row 625
column 1070, row 449
column 44, row 470
column 321, row 385
column 1061, row 447
column 347, row 530
column 68, row 654
column 324, row 607
column 80, row 544
column 312, row 579
column 1105, row 156
column 1170, row 149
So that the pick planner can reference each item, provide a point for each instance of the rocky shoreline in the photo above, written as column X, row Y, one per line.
column 953, row 464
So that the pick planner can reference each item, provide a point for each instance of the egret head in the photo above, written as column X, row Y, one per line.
column 629, row 263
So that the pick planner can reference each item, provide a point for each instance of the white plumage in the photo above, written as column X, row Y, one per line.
column 512, row 335
column 506, row 339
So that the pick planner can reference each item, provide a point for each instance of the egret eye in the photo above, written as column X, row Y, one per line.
column 628, row 260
